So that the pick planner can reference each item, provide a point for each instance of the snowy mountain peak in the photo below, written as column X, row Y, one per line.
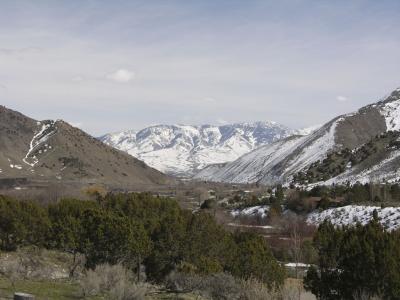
column 390, row 109
column 325, row 156
column 184, row 149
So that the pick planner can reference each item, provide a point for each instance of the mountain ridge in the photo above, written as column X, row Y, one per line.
column 280, row 161
column 57, row 152
column 184, row 149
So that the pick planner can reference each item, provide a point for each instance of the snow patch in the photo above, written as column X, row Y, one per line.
column 292, row 154
column 251, row 226
column 47, row 130
column 184, row 150
column 377, row 173
column 389, row 217
column 12, row 166
column 317, row 149
column 297, row 265
column 261, row 210
column 308, row 130
column 391, row 112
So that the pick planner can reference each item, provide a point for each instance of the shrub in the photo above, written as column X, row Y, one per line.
column 183, row 282
column 128, row 291
column 90, row 284
column 222, row 286
column 34, row 263
column 113, row 282
column 253, row 289
column 217, row 286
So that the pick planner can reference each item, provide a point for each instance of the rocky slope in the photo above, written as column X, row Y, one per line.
column 284, row 159
column 54, row 151
column 183, row 150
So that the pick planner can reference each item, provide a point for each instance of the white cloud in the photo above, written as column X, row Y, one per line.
column 341, row 98
column 121, row 75
column 78, row 78
column 253, row 66
column 77, row 124
column 26, row 50
column 221, row 121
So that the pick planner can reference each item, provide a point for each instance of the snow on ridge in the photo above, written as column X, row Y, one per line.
column 391, row 112
column 47, row 130
column 272, row 163
column 376, row 173
column 293, row 154
column 185, row 149
column 308, row 130
column 389, row 217
column 315, row 148
column 250, row 167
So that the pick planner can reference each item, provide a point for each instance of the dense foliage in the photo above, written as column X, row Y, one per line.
column 135, row 230
column 360, row 260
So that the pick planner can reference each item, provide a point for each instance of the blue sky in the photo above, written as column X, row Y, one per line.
column 113, row 65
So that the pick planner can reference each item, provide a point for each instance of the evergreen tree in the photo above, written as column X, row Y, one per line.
column 356, row 259
column 254, row 259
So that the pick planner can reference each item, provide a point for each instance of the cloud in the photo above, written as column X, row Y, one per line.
column 77, row 124
column 221, row 121
column 209, row 99
column 121, row 75
column 342, row 98
column 256, row 61
column 78, row 78
column 25, row 50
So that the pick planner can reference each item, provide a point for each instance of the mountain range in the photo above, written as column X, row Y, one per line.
column 183, row 150
column 54, row 151
column 356, row 147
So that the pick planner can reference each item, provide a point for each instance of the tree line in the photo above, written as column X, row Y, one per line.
column 138, row 230
column 359, row 262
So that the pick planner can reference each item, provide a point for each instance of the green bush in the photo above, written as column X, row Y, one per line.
column 351, row 259
column 137, row 230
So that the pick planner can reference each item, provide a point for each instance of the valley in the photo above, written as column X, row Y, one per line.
column 281, row 193
column 199, row 150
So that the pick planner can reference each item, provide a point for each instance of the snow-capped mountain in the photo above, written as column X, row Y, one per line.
column 282, row 160
column 183, row 149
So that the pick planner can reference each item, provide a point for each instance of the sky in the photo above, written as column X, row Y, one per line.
column 107, row 66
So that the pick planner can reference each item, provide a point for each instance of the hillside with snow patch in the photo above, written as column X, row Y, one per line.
column 280, row 161
column 348, row 215
column 50, row 152
column 389, row 217
column 275, row 162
